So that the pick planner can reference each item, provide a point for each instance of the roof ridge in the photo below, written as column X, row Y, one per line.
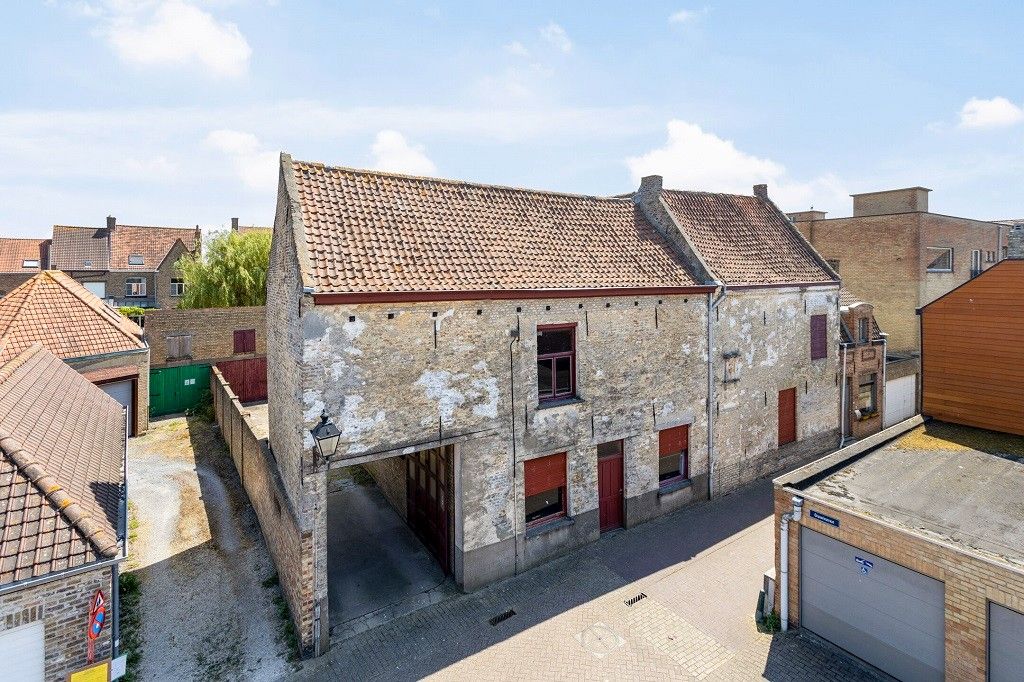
column 23, row 239
column 116, row 319
column 8, row 368
column 76, row 514
column 712, row 194
column 452, row 181
column 119, row 226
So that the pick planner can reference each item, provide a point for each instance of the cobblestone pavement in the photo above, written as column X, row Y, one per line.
column 699, row 572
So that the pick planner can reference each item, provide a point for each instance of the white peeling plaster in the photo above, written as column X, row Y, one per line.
column 314, row 406
column 437, row 384
column 353, row 329
column 353, row 426
column 489, row 386
column 320, row 353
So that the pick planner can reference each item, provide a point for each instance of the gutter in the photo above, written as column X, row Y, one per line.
column 58, row 575
column 105, row 356
column 339, row 298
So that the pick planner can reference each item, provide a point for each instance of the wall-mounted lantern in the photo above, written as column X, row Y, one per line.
column 326, row 436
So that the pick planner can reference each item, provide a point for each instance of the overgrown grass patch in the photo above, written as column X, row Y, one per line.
column 130, row 617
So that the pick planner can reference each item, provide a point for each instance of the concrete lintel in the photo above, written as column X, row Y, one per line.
column 411, row 448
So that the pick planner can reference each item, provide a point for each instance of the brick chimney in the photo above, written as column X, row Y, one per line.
column 1015, row 248
column 111, row 222
column 234, row 224
column 761, row 192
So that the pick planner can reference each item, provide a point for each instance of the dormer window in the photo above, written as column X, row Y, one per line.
column 87, row 263
column 863, row 330
column 30, row 263
column 136, row 259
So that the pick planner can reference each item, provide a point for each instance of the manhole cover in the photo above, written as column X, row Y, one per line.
column 600, row 640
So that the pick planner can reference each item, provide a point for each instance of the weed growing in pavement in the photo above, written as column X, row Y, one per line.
column 772, row 622
column 204, row 408
column 131, row 622
column 287, row 627
column 272, row 581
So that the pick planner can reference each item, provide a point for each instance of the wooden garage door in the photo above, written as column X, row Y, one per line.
column 1005, row 644
column 888, row 615
column 428, row 501
column 21, row 650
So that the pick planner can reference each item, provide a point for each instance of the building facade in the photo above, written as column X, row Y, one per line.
column 863, row 360
column 521, row 371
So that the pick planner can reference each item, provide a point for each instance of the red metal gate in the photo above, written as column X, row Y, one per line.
column 610, row 484
column 248, row 378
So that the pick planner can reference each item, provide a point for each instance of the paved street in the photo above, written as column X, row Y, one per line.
column 700, row 571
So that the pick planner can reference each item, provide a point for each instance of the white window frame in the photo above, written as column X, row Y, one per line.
column 136, row 259
column 136, row 285
column 976, row 261
column 177, row 288
column 939, row 249
column 30, row 263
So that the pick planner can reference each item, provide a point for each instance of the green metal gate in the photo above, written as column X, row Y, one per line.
column 176, row 389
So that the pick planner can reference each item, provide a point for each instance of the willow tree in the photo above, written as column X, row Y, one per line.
column 232, row 271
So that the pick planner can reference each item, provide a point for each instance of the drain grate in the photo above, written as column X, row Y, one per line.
column 633, row 600
column 503, row 616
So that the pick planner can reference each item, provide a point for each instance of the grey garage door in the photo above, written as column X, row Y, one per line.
column 881, row 612
column 1005, row 644
column 121, row 391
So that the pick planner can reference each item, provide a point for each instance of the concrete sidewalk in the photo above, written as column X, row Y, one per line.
column 672, row 599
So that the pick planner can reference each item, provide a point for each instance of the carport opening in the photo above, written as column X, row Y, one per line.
column 389, row 538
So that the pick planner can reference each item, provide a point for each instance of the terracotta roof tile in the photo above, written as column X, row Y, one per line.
column 15, row 252
column 375, row 232
column 70, row 321
column 743, row 239
column 61, row 472
column 105, row 249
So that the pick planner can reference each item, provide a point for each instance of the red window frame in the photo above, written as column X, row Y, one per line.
column 542, row 474
column 571, row 354
column 819, row 337
column 245, row 341
column 675, row 441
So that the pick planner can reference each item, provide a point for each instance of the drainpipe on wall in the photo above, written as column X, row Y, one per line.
column 515, row 486
column 885, row 361
column 798, row 507
column 842, row 397
column 712, row 306
column 122, row 536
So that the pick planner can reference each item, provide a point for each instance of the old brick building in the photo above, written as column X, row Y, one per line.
column 76, row 326
column 62, row 491
column 20, row 259
column 521, row 370
column 127, row 265
column 863, row 351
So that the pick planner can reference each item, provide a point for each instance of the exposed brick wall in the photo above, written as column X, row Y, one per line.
column 289, row 542
column 892, row 201
column 212, row 331
column 390, row 476
column 163, row 277
column 63, row 606
column 137, row 361
column 970, row 581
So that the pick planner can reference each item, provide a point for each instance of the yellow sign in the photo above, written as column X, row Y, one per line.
column 99, row 672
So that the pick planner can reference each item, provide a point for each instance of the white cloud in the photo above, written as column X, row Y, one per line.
column 685, row 15
column 695, row 159
column 516, row 48
column 255, row 166
column 997, row 112
column 169, row 33
column 556, row 36
column 392, row 152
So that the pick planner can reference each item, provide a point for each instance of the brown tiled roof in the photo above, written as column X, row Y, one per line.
column 743, row 239
column 70, row 321
column 847, row 298
column 61, row 472
column 14, row 253
column 246, row 229
column 109, row 249
column 367, row 231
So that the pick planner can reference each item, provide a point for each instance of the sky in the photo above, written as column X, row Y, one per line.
column 174, row 112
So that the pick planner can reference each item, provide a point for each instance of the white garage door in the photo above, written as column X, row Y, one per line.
column 900, row 400
column 881, row 612
column 98, row 288
column 1005, row 644
column 121, row 391
column 21, row 650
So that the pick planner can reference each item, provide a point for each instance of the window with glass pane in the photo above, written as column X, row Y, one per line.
column 942, row 259
column 673, row 450
column 556, row 361
column 863, row 330
column 545, row 488
column 866, row 397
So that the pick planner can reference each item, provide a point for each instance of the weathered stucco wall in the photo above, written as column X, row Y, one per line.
column 770, row 331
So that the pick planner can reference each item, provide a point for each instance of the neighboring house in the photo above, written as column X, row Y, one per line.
column 62, row 492
column 910, row 554
column 896, row 254
column 76, row 326
column 185, row 343
column 522, row 370
column 863, row 347
column 20, row 259
column 972, row 356
column 246, row 229
column 125, row 265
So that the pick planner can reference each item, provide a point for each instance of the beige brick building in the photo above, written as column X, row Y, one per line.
column 909, row 553
column 522, row 370
column 205, row 334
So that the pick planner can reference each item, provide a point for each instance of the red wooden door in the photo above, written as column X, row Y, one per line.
column 610, row 484
column 787, row 416
column 427, row 500
column 248, row 378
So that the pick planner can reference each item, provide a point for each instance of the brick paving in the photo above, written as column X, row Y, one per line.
column 700, row 570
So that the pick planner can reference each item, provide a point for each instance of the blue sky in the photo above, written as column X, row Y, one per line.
column 172, row 112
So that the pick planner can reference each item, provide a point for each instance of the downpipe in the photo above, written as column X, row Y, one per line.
column 712, row 306
column 795, row 515
column 842, row 397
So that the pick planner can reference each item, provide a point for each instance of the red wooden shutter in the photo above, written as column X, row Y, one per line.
column 787, row 416
column 245, row 340
column 544, row 473
column 819, row 337
column 674, row 440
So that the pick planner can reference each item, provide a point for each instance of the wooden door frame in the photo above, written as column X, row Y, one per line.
column 622, row 493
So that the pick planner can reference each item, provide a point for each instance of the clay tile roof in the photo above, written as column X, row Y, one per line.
column 61, row 467
column 106, row 249
column 14, row 253
column 745, row 240
column 79, row 248
column 847, row 298
column 66, row 318
column 368, row 231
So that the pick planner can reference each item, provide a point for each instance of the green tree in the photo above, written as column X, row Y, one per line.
column 232, row 271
